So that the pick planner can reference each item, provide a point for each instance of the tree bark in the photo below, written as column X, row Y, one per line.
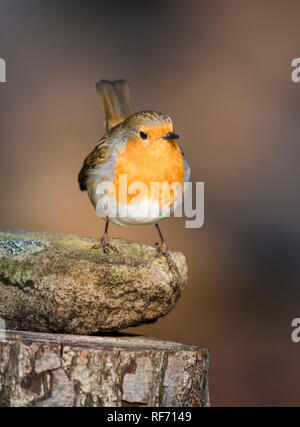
column 112, row 371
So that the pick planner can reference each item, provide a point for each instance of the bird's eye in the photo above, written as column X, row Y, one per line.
column 143, row 135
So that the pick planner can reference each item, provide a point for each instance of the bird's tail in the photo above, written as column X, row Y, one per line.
column 114, row 96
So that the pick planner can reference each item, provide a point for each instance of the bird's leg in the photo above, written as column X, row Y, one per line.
column 163, row 248
column 104, row 242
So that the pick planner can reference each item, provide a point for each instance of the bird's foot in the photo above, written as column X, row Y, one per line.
column 164, row 250
column 105, row 245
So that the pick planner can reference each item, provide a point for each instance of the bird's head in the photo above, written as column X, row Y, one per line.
column 148, row 126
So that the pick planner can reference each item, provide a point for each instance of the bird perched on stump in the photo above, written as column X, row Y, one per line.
column 136, row 173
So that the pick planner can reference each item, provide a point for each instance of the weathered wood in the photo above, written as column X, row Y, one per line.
column 113, row 371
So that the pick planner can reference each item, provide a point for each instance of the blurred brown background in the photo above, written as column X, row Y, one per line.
column 222, row 71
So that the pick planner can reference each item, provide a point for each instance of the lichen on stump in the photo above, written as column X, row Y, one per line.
column 57, row 283
column 64, row 370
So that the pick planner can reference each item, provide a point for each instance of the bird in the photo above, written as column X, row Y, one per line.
column 143, row 148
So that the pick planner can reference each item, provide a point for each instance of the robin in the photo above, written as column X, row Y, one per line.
column 142, row 149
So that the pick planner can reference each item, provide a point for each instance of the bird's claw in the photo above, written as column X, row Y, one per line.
column 106, row 246
column 164, row 250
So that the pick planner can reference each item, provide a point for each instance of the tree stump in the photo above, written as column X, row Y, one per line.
column 38, row 369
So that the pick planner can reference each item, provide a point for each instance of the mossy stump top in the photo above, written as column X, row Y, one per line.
column 57, row 283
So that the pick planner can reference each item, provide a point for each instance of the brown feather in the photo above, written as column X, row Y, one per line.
column 115, row 99
column 99, row 155
column 114, row 96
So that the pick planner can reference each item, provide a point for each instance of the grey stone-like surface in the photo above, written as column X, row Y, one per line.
column 57, row 283
column 65, row 370
column 20, row 248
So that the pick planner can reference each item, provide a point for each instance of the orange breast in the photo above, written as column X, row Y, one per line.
column 151, row 162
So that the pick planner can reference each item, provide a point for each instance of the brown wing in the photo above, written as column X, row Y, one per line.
column 98, row 156
column 115, row 99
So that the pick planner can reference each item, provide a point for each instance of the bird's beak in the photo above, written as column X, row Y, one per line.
column 170, row 136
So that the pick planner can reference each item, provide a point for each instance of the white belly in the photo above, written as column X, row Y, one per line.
column 146, row 211
column 142, row 213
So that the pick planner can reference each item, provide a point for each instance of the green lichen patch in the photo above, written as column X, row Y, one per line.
column 118, row 278
column 24, row 235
